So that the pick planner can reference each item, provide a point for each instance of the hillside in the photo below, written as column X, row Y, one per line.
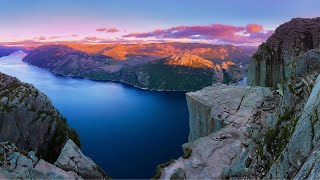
column 164, row 66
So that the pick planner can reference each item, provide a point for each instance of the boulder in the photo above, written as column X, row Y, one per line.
column 72, row 159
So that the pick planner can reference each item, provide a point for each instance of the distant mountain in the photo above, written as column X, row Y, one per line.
column 6, row 51
column 188, row 59
column 161, row 50
column 163, row 66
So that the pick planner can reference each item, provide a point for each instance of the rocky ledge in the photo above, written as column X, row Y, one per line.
column 258, row 132
column 71, row 164
column 224, row 122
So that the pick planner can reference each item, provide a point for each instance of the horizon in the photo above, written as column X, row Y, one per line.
column 100, row 22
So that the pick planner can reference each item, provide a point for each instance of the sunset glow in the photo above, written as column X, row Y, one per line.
column 97, row 21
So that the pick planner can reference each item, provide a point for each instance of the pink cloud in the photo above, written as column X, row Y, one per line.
column 108, row 30
column 40, row 38
column 113, row 30
column 101, row 29
column 93, row 38
column 220, row 33
column 254, row 28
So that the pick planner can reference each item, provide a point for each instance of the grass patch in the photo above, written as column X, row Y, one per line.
column 160, row 167
column 187, row 152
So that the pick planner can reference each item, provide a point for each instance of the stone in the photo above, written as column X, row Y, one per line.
column 178, row 174
column 27, row 127
column 222, row 119
column 52, row 171
column 72, row 159
column 33, row 157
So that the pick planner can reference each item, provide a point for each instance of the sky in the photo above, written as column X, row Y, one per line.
column 238, row 22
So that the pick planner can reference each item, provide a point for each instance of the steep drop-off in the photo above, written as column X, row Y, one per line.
column 270, row 64
column 28, row 119
column 280, row 139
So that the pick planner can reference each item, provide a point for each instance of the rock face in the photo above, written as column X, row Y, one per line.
column 28, row 119
column 72, row 159
column 224, row 120
column 18, row 164
column 269, row 64
column 173, row 66
column 272, row 136
column 303, row 140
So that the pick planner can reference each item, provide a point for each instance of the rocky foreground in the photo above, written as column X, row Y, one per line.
column 37, row 129
column 270, row 132
column 71, row 164
column 28, row 119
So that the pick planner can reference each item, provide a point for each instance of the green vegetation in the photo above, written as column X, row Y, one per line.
column 160, row 167
column 187, row 152
column 161, row 76
column 277, row 137
column 62, row 133
column 2, row 158
column 23, row 152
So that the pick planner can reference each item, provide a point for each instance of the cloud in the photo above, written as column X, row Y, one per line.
column 251, row 34
column 54, row 37
column 40, row 38
column 93, row 38
column 254, row 28
column 108, row 30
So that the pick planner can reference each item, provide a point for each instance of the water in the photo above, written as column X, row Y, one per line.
column 127, row 131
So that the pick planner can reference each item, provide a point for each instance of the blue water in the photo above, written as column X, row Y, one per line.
column 127, row 131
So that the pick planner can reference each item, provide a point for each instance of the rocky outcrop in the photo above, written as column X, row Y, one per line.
column 273, row 136
column 72, row 159
column 303, row 140
column 18, row 164
column 224, row 122
column 269, row 65
column 28, row 119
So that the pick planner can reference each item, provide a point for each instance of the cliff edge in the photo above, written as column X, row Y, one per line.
column 270, row 132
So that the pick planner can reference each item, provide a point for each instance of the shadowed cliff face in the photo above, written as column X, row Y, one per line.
column 269, row 64
column 28, row 119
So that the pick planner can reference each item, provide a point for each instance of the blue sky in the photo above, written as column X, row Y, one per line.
column 26, row 20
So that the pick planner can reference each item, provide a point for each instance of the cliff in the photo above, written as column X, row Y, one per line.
column 275, row 134
column 31, row 123
column 269, row 65
column 224, row 122
column 28, row 119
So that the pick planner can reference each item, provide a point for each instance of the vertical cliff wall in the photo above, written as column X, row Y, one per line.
column 269, row 65
column 28, row 119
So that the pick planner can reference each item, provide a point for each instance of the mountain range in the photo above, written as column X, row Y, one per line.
column 158, row 66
